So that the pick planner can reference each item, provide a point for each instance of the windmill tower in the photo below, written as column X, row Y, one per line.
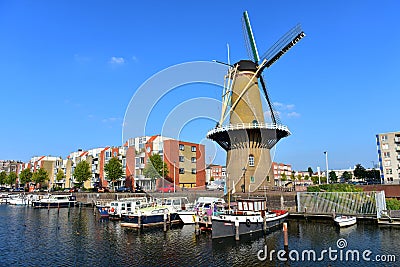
column 247, row 138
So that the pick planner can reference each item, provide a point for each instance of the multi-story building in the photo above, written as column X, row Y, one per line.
column 280, row 169
column 185, row 160
column 50, row 164
column 217, row 172
column 388, row 145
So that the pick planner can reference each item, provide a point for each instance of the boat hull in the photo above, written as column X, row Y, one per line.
column 344, row 222
column 225, row 225
column 187, row 217
column 150, row 220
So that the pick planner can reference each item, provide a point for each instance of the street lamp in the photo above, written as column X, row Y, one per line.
column 244, row 179
column 327, row 168
column 174, row 177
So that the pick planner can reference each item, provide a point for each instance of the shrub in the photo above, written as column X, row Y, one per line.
column 392, row 204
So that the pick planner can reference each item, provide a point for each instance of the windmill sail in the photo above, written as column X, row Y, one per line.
column 283, row 45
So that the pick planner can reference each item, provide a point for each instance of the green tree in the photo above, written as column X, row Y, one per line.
column 82, row 172
column 299, row 177
column 113, row 169
column 40, row 176
column 283, row 177
column 292, row 177
column 347, row 176
column 25, row 177
column 12, row 178
column 3, row 177
column 333, row 177
column 158, row 164
column 60, row 175
column 359, row 171
column 310, row 171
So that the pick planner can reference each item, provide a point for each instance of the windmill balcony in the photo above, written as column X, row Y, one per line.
column 241, row 126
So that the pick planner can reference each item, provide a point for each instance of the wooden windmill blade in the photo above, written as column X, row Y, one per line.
column 249, row 38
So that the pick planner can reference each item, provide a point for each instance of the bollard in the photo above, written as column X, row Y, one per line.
column 285, row 236
column 196, row 225
column 165, row 221
column 265, row 224
column 237, row 230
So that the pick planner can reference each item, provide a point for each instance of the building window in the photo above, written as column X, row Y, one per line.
column 384, row 137
column 193, row 159
column 181, row 170
column 387, row 163
column 181, row 147
column 252, row 180
column 251, row 160
column 386, row 154
column 385, row 146
column 193, row 171
column 181, row 159
column 389, row 171
column 193, row 149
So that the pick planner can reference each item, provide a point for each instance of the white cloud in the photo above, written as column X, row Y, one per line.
column 283, row 106
column 117, row 60
column 293, row 114
column 110, row 120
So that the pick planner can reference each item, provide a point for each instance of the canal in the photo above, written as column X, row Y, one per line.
column 77, row 237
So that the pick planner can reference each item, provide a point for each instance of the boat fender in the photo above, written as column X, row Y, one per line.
column 112, row 210
column 248, row 222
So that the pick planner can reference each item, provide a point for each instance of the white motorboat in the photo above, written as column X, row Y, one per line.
column 343, row 220
column 56, row 201
column 181, row 205
column 18, row 200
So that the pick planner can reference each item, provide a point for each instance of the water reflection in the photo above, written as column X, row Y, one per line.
column 76, row 237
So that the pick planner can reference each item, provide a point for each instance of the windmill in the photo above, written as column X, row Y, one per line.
column 247, row 138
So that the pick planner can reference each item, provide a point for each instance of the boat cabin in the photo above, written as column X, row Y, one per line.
column 252, row 205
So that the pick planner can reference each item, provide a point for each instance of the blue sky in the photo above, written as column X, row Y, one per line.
column 69, row 69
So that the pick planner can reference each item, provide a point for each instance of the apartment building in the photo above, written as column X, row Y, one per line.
column 185, row 160
column 388, row 146
column 278, row 170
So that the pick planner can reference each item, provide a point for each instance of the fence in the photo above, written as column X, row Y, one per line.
column 352, row 203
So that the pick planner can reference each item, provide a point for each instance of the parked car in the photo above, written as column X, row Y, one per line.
column 103, row 189
column 124, row 189
column 166, row 189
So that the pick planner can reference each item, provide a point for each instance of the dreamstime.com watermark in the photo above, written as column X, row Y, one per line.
column 340, row 253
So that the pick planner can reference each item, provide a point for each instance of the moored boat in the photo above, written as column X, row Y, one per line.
column 205, row 208
column 251, row 216
column 120, row 208
column 181, row 205
column 56, row 201
column 343, row 220
column 150, row 217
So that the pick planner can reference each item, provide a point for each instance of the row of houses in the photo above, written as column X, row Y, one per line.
column 185, row 162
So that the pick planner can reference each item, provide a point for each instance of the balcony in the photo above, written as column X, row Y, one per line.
column 397, row 148
column 397, row 139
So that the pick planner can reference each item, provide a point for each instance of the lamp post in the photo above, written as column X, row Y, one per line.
column 174, row 177
column 327, row 168
column 244, row 179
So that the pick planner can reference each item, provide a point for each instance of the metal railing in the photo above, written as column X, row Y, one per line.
column 354, row 203
column 242, row 126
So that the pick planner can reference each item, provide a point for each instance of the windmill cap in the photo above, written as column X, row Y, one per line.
column 246, row 65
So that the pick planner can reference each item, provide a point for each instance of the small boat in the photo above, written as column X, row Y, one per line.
column 251, row 216
column 181, row 205
column 103, row 212
column 56, row 201
column 205, row 208
column 343, row 220
column 119, row 209
column 18, row 200
column 150, row 217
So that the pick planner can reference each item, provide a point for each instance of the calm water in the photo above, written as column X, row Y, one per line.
column 76, row 237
